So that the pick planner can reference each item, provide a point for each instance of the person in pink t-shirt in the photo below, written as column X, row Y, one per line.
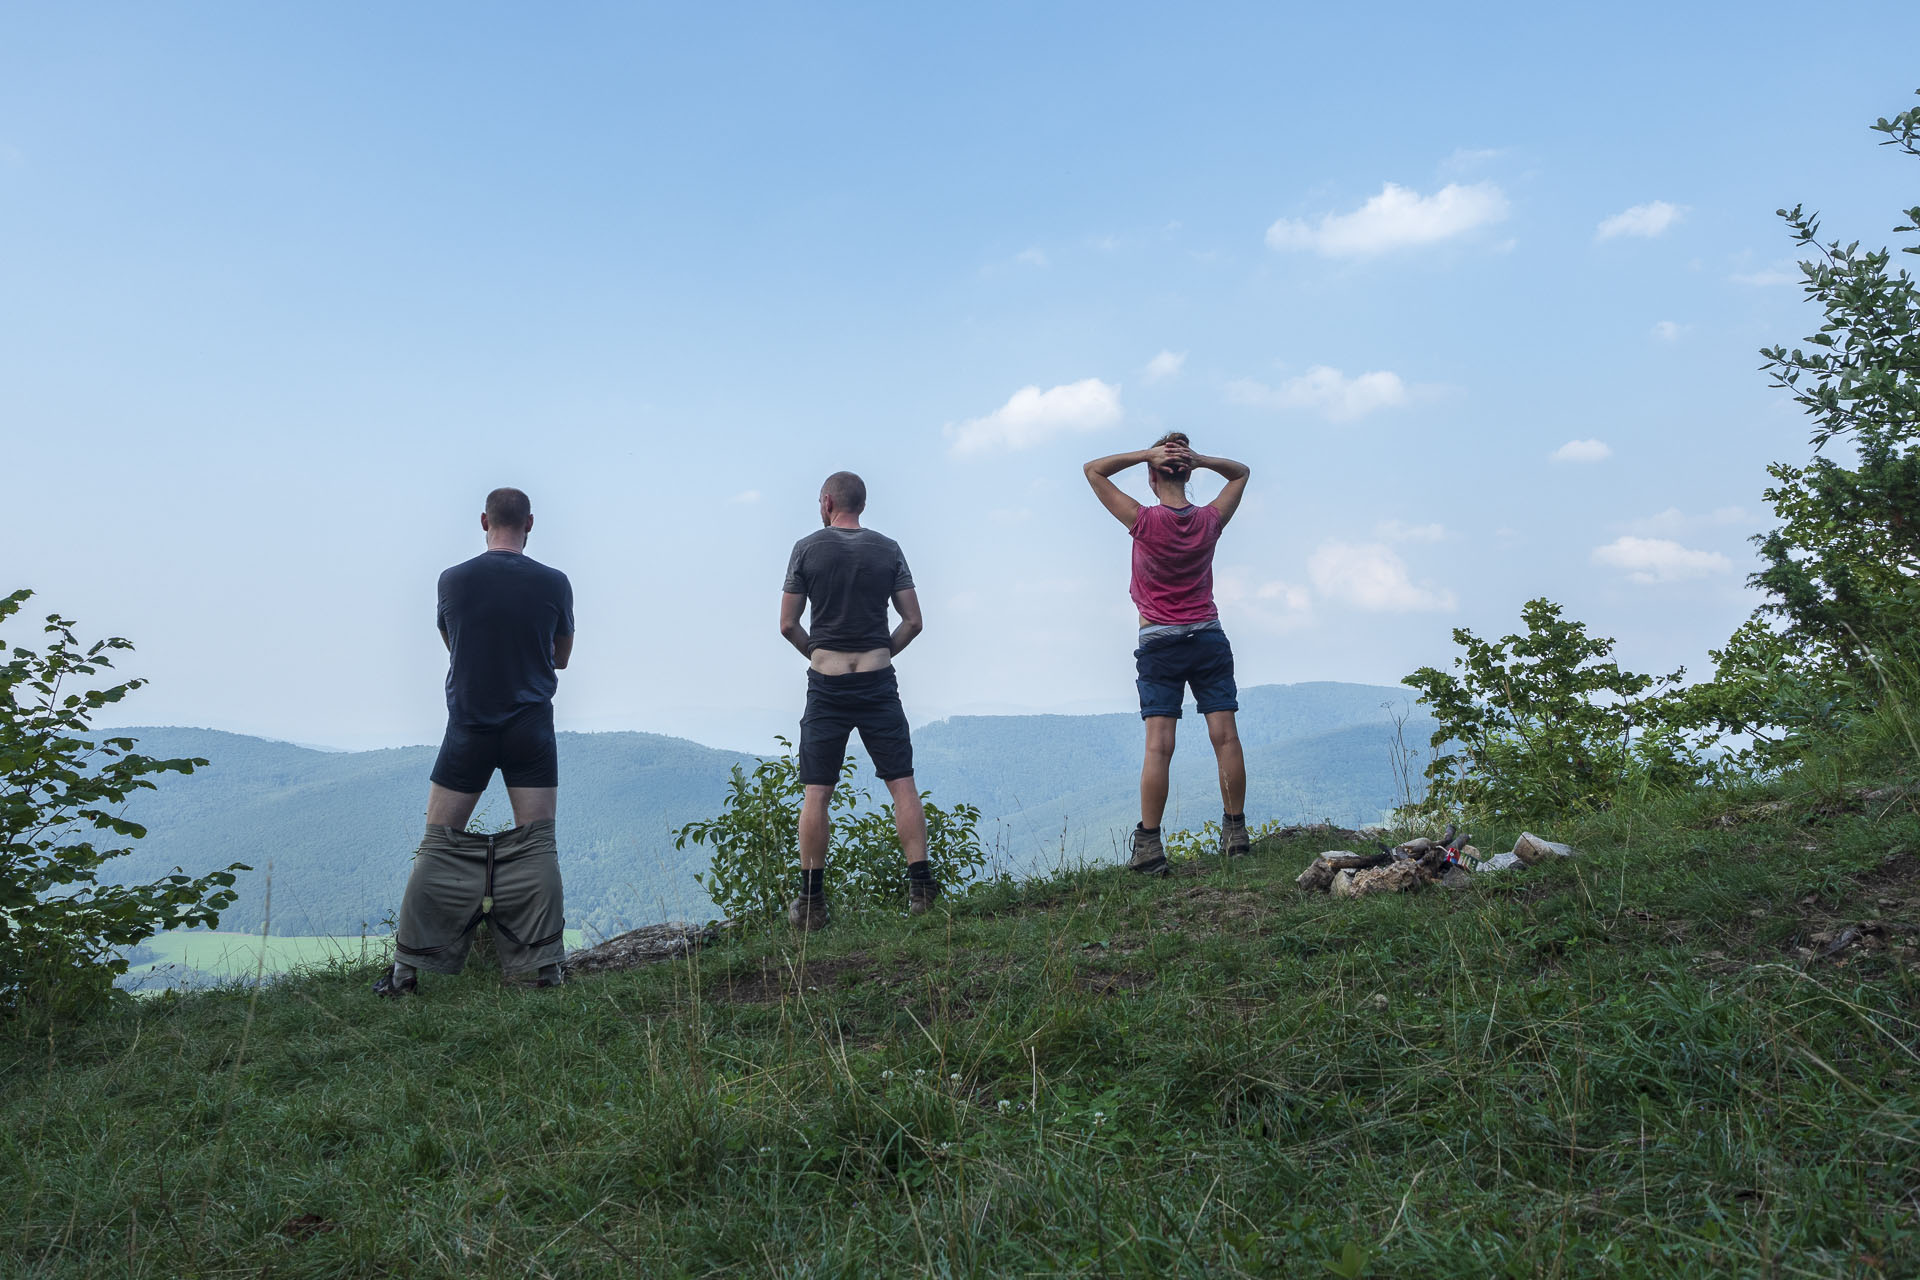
column 1181, row 643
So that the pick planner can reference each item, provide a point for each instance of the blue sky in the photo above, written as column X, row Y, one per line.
column 284, row 291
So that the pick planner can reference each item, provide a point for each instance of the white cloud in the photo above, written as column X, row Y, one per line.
column 1395, row 531
column 1674, row 521
column 1397, row 218
column 1166, row 365
column 1103, row 244
column 1653, row 560
column 1644, row 220
column 1583, row 451
column 1372, row 578
column 1668, row 331
column 1032, row 416
column 1271, row 606
column 1327, row 390
column 746, row 496
column 1031, row 257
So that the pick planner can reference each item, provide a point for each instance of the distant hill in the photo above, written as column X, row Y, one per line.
column 339, row 827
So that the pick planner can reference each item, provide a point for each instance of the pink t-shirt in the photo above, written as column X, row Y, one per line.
column 1173, row 563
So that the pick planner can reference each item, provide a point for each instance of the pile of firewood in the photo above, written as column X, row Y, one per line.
column 1449, row 862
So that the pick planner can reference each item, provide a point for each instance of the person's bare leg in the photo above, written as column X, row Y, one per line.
column 814, row 826
column 1232, row 761
column 1155, row 768
column 909, row 818
column 449, row 808
column 531, row 804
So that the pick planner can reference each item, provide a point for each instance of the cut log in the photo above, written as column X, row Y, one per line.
column 1401, row 877
column 1532, row 849
column 649, row 945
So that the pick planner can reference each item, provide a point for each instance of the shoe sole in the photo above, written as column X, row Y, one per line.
column 1148, row 868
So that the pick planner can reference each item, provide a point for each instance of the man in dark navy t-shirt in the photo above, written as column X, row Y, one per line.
column 507, row 621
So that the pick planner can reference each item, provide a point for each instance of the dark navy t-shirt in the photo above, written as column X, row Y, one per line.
column 502, row 611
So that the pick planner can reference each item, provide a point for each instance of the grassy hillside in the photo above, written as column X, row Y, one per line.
column 340, row 827
column 1641, row 1061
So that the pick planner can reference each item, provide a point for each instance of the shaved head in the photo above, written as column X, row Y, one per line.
column 847, row 491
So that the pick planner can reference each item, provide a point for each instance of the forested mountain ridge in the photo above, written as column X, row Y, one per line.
column 338, row 828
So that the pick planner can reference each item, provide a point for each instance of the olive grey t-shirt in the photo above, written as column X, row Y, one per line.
column 847, row 576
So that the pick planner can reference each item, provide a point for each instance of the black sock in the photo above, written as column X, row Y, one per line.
column 921, row 870
column 1152, row 831
column 813, row 883
column 1236, row 817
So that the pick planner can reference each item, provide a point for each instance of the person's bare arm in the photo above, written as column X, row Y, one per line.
column 1236, row 474
column 791, row 603
column 1099, row 472
column 906, row 603
column 562, row 651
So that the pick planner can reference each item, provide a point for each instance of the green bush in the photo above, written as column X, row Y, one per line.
column 756, row 844
column 1541, row 724
column 60, row 787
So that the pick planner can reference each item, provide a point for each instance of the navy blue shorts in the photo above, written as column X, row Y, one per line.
column 837, row 705
column 522, row 749
column 1166, row 665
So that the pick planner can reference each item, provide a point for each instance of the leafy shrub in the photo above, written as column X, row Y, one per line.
column 1541, row 724
column 756, row 844
column 59, row 926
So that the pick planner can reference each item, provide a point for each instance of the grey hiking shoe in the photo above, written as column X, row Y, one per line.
column 808, row 912
column 1149, row 858
column 920, row 895
column 1234, row 841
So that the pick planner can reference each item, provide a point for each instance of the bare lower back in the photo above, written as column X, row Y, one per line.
column 835, row 662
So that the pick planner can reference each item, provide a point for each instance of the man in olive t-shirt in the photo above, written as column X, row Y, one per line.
column 845, row 576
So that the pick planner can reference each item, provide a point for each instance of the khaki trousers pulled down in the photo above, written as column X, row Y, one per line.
column 510, row 879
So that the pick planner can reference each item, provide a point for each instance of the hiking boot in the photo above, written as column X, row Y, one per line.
column 808, row 912
column 393, row 988
column 1234, row 841
column 1149, row 858
column 920, row 895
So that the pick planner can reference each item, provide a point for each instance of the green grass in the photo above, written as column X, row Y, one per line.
column 1616, row 1065
column 222, row 954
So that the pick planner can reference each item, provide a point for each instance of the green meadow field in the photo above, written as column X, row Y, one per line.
column 221, row 954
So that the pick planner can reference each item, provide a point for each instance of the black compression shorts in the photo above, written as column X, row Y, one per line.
column 522, row 749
